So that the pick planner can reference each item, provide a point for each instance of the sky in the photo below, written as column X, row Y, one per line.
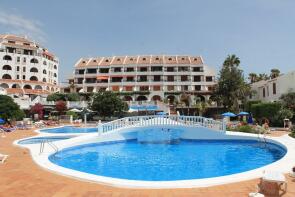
column 260, row 32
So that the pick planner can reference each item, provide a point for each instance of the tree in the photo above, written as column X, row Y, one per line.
column 253, row 77
column 263, row 76
column 288, row 100
column 107, row 104
column 274, row 73
column 184, row 98
column 72, row 97
column 9, row 109
column 37, row 109
column 231, row 87
column 60, row 106
column 202, row 107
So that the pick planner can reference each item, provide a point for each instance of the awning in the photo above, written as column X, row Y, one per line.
column 102, row 77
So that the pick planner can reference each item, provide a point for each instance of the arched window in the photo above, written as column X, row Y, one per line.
column 7, row 57
column 38, row 87
column 15, row 86
column 44, row 63
column 34, row 60
column 44, row 79
column 7, row 67
column 27, row 87
column 55, row 67
column 33, row 70
column 33, row 78
column 6, row 76
column 44, row 71
column 4, row 85
column 55, row 75
column 52, row 89
column 54, row 82
column 47, row 88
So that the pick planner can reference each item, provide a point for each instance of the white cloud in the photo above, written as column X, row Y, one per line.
column 17, row 24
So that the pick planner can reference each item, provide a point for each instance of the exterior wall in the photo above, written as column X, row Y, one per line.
column 21, row 52
column 273, row 88
column 176, row 74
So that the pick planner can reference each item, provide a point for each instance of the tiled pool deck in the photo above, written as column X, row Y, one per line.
column 20, row 176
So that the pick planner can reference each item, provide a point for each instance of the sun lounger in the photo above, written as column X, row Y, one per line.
column 7, row 129
column 3, row 158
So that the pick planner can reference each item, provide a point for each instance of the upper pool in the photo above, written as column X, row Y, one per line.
column 186, row 160
column 70, row 129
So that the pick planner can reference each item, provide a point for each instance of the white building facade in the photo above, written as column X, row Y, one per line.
column 271, row 90
column 146, row 77
column 26, row 68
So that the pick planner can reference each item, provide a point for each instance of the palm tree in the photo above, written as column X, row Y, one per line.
column 263, row 76
column 231, row 61
column 253, row 77
column 274, row 73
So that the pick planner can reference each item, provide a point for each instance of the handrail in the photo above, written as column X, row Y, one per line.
column 136, row 121
column 52, row 145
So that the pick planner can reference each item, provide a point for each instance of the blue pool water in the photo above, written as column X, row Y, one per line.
column 70, row 129
column 37, row 140
column 166, row 162
column 144, row 107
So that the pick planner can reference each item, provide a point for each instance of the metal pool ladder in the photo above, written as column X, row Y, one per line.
column 50, row 143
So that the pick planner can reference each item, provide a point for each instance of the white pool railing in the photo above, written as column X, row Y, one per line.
column 156, row 120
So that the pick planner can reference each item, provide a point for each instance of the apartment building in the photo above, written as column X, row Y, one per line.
column 145, row 77
column 26, row 68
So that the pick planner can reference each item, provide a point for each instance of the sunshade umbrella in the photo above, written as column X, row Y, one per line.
column 161, row 113
column 75, row 110
column 243, row 113
column 2, row 121
column 229, row 114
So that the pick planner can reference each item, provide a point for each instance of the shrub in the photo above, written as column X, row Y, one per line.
column 245, row 129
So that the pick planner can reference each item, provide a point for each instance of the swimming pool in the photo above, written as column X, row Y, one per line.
column 37, row 140
column 70, row 129
column 186, row 160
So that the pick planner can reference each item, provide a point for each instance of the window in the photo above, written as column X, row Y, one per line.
column 263, row 92
column 170, row 69
column 33, row 78
column 55, row 67
column 106, row 60
column 130, row 69
column 55, row 75
column 24, row 69
column 44, row 72
column 156, row 68
column 197, row 69
column 6, row 76
column 184, row 88
column 24, row 60
column 44, row 63
column 18, row 59
column 183, row 69
column 142, row 78
column 143, row 69
column 104, row 70
column 117, row 79
column 118, row 59
column 117, row 69
column 6, row 67
column 169, row 58
column 144, row 59
column 184, row 78
column 157, row 78
column 157, row 58
column 7, row 57
column 209, row 78
column 197, row 78
column 34, row 61
column 17, row 68
column 17, row 76
column 274, row 88
column 80, row 72
column 197, row 88
column 10, row 41
column 170, row 78
column 33, row 70
column 91, row 70
column 130, row 79
column 24, row 77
